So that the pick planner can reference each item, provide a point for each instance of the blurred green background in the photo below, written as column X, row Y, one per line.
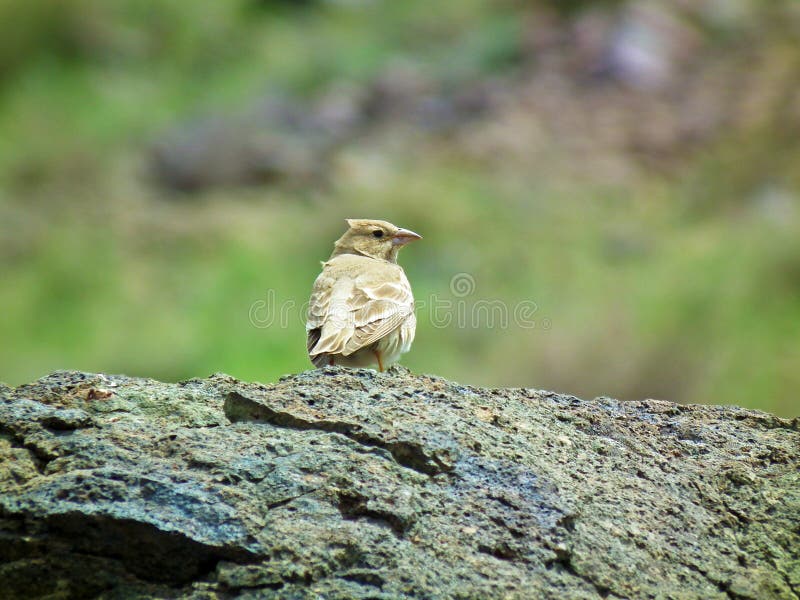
column 172, row 171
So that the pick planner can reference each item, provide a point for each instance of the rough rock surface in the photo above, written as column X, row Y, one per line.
column 353, row 484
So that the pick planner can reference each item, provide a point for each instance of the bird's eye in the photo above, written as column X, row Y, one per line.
column 378, row 233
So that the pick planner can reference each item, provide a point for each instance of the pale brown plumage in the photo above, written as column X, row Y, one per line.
column 361, row 310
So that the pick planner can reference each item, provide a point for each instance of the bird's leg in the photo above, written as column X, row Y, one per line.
column 330, row 360
column 377, row 354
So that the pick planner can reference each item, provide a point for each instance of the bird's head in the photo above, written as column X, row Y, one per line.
column 376, row 239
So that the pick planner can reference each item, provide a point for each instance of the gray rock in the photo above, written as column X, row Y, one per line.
column 291, row 141
column 343, row 483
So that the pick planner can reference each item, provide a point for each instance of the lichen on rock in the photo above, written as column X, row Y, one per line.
column 341, row 483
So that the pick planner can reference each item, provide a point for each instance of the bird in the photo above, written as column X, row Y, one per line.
column 361, row 310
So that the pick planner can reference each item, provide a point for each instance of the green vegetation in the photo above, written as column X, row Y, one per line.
column 680, row 283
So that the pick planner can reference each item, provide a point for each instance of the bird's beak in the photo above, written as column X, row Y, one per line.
column 404, row 236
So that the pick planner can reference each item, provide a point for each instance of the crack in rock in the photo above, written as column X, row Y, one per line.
column 409, row 454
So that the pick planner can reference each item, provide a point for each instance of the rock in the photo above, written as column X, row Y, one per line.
column 240, row 150
column 290, row 141
column 341, row 483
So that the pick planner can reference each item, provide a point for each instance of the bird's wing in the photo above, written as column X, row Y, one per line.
column 327, row 319
column 349, row 312
column 320, row 300
column 384, row 306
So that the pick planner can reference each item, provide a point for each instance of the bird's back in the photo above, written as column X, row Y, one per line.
column 355, row 301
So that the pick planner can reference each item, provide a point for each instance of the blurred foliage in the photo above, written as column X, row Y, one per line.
column 680, row 282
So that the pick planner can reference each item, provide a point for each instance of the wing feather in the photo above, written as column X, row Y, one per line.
column 353, row 310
